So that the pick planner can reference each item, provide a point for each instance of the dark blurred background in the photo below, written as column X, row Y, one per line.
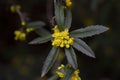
column 21, row 61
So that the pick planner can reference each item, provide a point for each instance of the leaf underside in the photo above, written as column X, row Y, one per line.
column 83, row 47
column 88, row 31
column 52, row 56
column 71, row 57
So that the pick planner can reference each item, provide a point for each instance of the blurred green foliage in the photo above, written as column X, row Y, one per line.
column 20, row 61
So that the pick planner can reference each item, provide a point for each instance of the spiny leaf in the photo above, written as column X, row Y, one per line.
column 49, row 60
column 40, row 40
column 89, row 31
column 83, row 47
column 71, row 57
column 68, row 18
column 36, row 24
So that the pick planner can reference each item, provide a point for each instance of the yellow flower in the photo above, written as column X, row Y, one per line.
column 56, row 30
column 13, row 8
column 75, row 78
column 60, row 67
column 61, row 39
column 68, row 3
column 29, row 29
column 59, row 73
column 75, row 75
column 19, row 35
column 23, row 23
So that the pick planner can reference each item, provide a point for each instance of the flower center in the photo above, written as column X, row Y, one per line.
column 61, row 39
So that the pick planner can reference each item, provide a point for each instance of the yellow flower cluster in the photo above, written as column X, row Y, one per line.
column 61, row 39
column 68, row 3
column 13, row 8
column 75, row 75
column 19, row 35
column 59, row 73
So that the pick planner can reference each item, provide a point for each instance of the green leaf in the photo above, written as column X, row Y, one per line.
column 52, row 56
column 54, row 77
column 62, row 16
column 36, row 24
column 59, row 14
column 88, row 31
column 40, row 40
column 68, row 75
column 68, row 18
column 83, row 47
column 42, row 32
column 71, row 57
column 57, row 9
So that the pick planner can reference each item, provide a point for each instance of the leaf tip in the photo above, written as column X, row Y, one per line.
column 31, row 42
column 93, row 56
column 43, row 74
column 105, row 28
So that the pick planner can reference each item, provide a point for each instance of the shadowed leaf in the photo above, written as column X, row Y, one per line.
column 36, row 24
column 52, row 56
column 43, row 32
column 54, row 77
